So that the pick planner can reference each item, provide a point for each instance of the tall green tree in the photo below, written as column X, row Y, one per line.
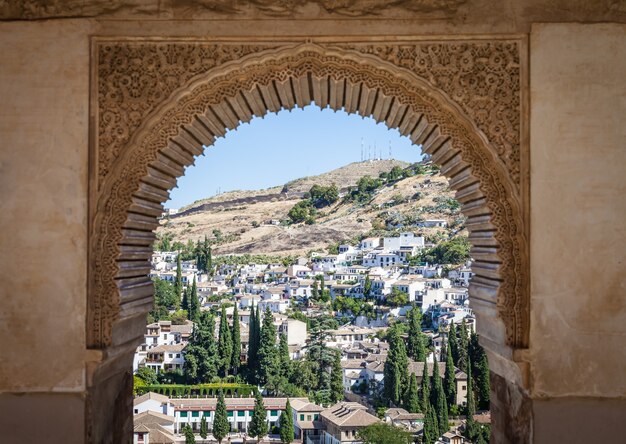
column 453, row 344
column 438, row 400
column 179, row 276
column 415, row 341
column 204, row 428
column 189, row 436
column 396, row 367
column 268, row 354
column 224, row 345
column 463, row 345
column 431, row 426
column 412, row 400
column 286, row 425
column 194, row 303
column 425, row 389
column 336, row 380
column 449, row 382
column 221, row 426
column 258, row 425
column 284, row 358
column 236, row 334
column 367, row 287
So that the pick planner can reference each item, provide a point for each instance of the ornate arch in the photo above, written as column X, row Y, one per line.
column 158, row 104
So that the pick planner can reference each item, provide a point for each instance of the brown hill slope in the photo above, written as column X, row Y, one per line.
column 245, row 223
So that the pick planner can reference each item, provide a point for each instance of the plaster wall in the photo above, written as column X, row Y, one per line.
column 578, row 209
column 44, row 85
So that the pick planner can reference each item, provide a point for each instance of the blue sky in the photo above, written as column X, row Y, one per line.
column 281, row 147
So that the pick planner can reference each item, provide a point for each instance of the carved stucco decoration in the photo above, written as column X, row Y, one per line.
column 151, row 93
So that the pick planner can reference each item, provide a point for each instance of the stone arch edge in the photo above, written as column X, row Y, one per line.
column 113, row 196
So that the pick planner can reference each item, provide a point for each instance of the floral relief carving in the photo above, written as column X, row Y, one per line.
column 148, row 92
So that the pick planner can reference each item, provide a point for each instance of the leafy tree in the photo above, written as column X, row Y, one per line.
column 367, row 287
column 258, row 425
column 236, row 341
column 194, row 303
column 283, row 356
column 425, row 389
column 383, row 433
column 449, row 382
column 179, row 277
column 221, row 426
column 204, row 428
column 286, row 425
column 322, row 196
column 412, row 401
column 147, row 375
column 438, row 400
column 303, row 211
column 336, row 380
column 268, row 356
column 224, row 345
column 189, row 437
column 415, row 342
column 397, row 298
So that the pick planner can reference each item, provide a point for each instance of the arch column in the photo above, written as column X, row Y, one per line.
column 158, row 103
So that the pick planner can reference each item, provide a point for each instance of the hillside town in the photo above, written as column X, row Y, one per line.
column 320, row 349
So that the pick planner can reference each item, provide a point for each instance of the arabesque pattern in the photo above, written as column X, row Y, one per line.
column 154, row 119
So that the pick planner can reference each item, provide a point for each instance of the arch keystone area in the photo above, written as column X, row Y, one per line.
column 158, row 103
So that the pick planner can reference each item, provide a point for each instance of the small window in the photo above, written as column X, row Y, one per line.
column 195, row 414
column 183, row 414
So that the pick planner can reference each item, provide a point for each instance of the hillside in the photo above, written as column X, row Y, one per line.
column 246, row 222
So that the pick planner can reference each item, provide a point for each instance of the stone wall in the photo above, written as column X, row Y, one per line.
column 578, row 320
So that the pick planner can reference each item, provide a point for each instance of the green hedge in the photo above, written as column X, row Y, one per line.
column 200, row 390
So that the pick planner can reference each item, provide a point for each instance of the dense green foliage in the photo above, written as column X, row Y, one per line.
column 221, row 426
column 258, row 425
column 286, row 425
column 383, row 433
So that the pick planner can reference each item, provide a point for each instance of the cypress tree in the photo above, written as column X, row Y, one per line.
column 268, row 361
column 258, row 425
column 453, row 345
column 221, row 426
column 236, row 354
column 336, row 379
column 185, row 304
column 425, row 389
column 178, row 285
column 431, row 427
column 412, row 400
column 463, row 346
column 415, row 343
column 438, row 400
column 449, row 382
column 189, row 437
column 283, row 356
column 483, row 387
column 194, row 303
column 224, row 345
column 204, row 428
column 286, row 425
